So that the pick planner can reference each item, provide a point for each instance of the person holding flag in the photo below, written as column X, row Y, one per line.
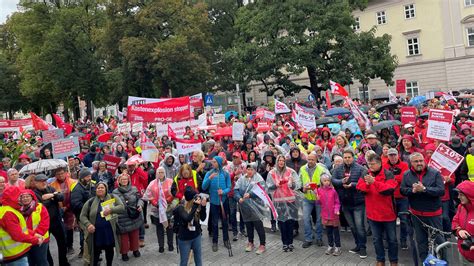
column 252, row 207
column 158, row 193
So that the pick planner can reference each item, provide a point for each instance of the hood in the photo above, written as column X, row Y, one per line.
column 464, row 127
column 268, row 153
column 358, row 133
column 11, row 197
column 291, row 151
column 219, row 161
column 365, row 145
column 29, row 191
column 326, row 129
column 167, row 156
column 467, row 188
column 430, row 147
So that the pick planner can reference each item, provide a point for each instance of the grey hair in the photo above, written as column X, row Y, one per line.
column 371, row 156
column 11, row 170
column 415, row 154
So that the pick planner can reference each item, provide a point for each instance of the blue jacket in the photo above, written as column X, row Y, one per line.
column 350, row 196
column 221, row 181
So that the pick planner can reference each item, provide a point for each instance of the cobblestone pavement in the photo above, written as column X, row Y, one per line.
column 273, row 256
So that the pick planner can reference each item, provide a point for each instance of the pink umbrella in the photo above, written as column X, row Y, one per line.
column 134, row 160
column 223, row 131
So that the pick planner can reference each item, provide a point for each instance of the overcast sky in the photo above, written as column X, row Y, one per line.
column 6, row 8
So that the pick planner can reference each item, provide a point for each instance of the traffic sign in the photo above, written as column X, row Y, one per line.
column 209, row 99
column 311, row 98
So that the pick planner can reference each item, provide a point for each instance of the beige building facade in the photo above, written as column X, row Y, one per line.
column 432, row 39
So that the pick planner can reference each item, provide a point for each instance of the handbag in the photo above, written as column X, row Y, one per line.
column 133, row 212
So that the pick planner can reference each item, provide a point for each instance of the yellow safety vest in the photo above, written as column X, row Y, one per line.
column 36, row 218
column 194, row 179
column 9, row 247
column 309, row 195
column 470, row 167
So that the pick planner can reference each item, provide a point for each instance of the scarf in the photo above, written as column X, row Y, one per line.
column 28, row 209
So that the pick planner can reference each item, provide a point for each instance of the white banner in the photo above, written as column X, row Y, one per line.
column 305, row 120
column 137, row 127
column 180, row 127
column 185, row 148
column 269, row 115
column 124, row 127
column 218, row 118
column 281, row 108
column 238, row 131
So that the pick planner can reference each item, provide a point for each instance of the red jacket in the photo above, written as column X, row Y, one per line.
column 139, row 180
column 379, row 203
column 10, row 222
column 464, row 218
column 182, row 184
column 43, row 226
column 403, row 166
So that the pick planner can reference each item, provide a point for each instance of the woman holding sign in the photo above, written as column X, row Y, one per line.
column 99, row 218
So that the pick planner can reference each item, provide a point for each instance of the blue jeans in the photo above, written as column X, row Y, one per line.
column 402, row 206
column 216, row 213
column 21, row 262
column 38, row 255
column 355, row 216
column 308, row 206
column 388, row 229
column 422, row 235
column 185, row 247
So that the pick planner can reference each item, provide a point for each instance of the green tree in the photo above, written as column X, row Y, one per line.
column 280, row 39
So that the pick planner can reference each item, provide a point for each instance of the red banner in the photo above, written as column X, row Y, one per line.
column 401, row 86
column 172, row 110
column 112, row 163
column 408, row 115
column 15, row 123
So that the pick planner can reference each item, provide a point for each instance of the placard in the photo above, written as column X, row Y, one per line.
column 170, row 110
column 112, row 163
column 186, row 148
column 124, row 127
column 238, row 131
column 439, row 124
column 445, row 160
column 401, row 86
column 50, row 135
column 218, row 118
column 408, row 115
column 137, row 127
column 65, row 147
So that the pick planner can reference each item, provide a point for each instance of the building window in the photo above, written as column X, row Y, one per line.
column 249, row 101
column 356, row 25
column 363, row 93
column 413, row 46
column 470, row 36
column 410, row 11
column 469, row 2
column 412, row 88
column 381, row 18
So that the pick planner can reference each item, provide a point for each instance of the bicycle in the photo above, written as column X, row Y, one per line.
column 436, row 250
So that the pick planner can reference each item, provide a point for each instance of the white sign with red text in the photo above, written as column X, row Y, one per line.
column 186, row 148
column 281, row 108
column 445, row 160
column 180, row 127
column 137, row 127
column 238, row 131
column 439, row 124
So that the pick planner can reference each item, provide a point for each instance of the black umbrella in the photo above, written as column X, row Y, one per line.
column 327, row 120
column 386, row 124
column 337, row 101
column 380, row 97
column 423, row 116
column 389, row 105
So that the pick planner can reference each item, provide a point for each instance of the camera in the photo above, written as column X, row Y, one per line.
column 467, row 243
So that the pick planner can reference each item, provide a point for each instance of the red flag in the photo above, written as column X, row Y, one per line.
column 60, row 124
column 338, row 89
column 328, row 100
column 171, row 133
column 38, row 123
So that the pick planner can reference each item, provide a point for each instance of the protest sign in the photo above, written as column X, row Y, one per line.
column 187, row 146
column 408, row 115
column 50, row 135
column 401, row 86
column 180, row 127
column 14, row 125
column 195, row 101
column 65, row 147
column 218, row 118
column 439, row 124
column 137, row 127
column 268, row 115
column 171, row 110
column 112, row 163
column 238, row 131
column 281, row 108
column 263, row 126
column 445, row 160
column 124, row 127
column 304, row 120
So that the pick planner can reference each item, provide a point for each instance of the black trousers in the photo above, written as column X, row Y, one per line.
column 69, row 238
column 109, row 255
column 145, row 207
column 286, row 229
column 160, row 234
column 57, row 230
column 258, row 226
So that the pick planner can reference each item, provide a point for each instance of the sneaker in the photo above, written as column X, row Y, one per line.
column 214, row 247
column 249, row 247
column 235, row 238
column 161, row 249
column 337, row 251
column 362, row 253
column 285, row 248
column 319, row 242
column 306, row 244
column 291, row 247
column 137, row 254
column 354, row 250
column 404, row 245
column 170, row 248
column 329, row 251
column 124, row 257
column 142, row 243
column 260, row 250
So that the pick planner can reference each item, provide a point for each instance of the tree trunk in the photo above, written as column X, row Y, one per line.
column 76, row 111
column 10, row 113
column 313, row 81
column 89, row 109
column 165, row 89
column 66, row 114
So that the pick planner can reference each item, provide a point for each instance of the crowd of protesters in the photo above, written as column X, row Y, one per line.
column 329, row 179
